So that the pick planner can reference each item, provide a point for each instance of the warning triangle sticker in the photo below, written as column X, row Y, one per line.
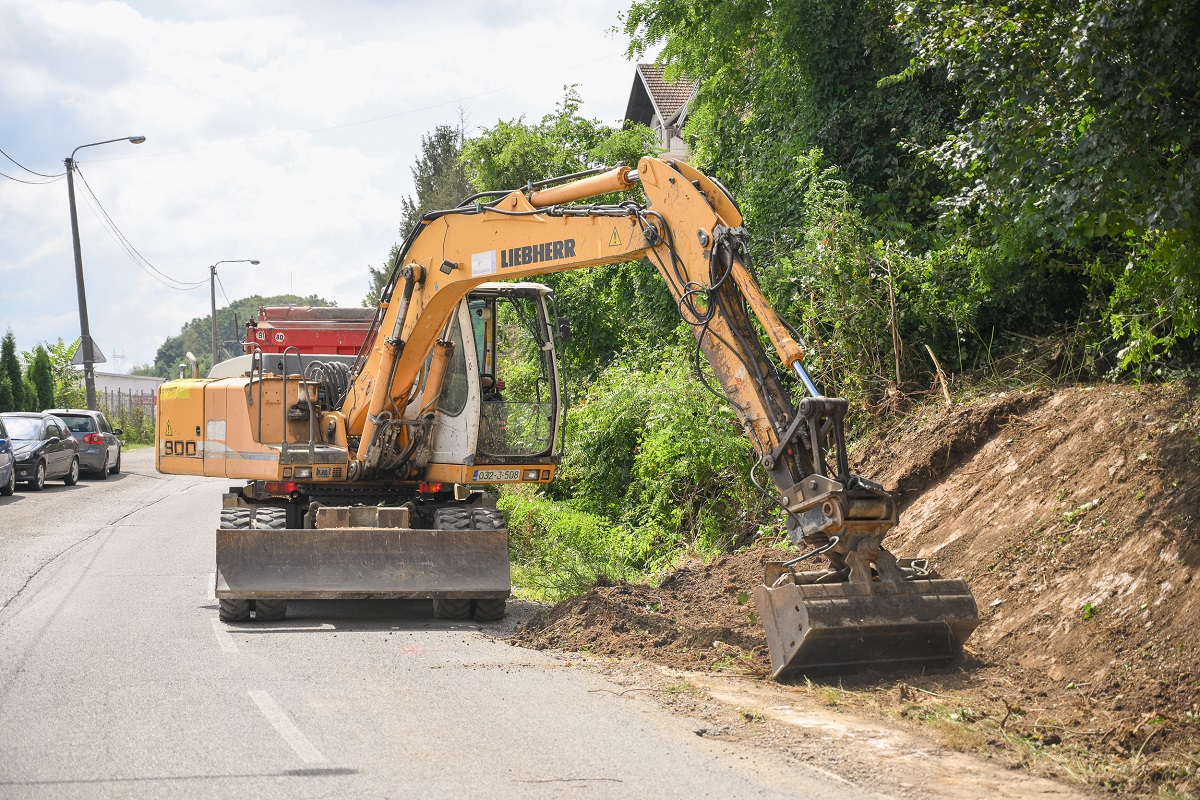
column 169, row 431
column 615, row 240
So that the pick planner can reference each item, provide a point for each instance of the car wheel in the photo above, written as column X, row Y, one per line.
column 39, row 477
column 116, row 468
column 72, row 476
column 12, row 483
column 103, row 474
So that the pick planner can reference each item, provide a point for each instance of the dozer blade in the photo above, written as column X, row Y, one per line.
column 361, row 563
column 818, row 628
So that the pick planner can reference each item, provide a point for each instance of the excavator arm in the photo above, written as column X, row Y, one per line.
column 322, row 444
column 865, row 607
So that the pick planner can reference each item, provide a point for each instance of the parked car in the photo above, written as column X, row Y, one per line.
column 99, row 447
column 8, row 464
column 43, row 447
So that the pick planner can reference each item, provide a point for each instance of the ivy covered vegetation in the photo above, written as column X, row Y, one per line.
column 1004, row 193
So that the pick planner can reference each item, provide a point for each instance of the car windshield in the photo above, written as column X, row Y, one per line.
column 24, row 427
column 78, row 423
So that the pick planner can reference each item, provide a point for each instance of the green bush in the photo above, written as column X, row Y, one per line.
column 656, row 467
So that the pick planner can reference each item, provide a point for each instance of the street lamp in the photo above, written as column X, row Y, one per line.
column 89, row 374
column 212, row 289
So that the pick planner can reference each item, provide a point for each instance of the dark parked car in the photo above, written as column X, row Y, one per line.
column 8, row 464
column 43, row 447
column 99, row 447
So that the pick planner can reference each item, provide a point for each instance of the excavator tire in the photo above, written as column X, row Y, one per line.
column 488, row 519
column 454, row 518
column 237, row 518
column 270, row 518
column 234, row 610
column 270, row 610
column 451, row 608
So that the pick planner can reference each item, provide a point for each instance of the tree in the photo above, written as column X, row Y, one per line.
column 440, row 182
column 41, row 374
column 598, row 302
column 10, row 367
column 6, row 396
column 1080, row 123
column 68, row 393
column 779, row 78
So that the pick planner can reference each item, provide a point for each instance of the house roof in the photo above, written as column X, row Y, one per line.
column 652, row 95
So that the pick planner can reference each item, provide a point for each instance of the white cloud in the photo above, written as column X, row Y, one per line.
column 226, row 94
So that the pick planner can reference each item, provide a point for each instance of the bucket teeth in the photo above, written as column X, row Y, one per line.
column 840, row 626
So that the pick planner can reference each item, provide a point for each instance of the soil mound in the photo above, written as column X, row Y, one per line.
column 1074, row 515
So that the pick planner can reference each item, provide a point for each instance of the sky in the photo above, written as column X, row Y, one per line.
column 281, row 131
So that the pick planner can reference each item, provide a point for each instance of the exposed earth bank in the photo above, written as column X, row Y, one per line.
column 1073, row 514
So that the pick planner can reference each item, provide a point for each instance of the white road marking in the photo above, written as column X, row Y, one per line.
column 282, row 723
column 227, row 643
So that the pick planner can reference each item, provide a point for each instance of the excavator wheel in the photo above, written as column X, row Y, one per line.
column 454, row 518
column 489, row 609
column 270, row 518
column 234, row 610
column 488, row 519
column 237, row 518
column 451, row 608
column 270, row 610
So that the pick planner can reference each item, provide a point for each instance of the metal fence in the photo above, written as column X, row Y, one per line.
column 132, row 411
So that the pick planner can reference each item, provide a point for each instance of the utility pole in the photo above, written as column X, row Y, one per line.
column 212, row 291
column 85, row 333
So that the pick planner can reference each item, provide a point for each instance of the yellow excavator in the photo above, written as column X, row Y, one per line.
column 366, row 479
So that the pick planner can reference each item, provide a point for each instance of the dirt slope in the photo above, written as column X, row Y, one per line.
column 1075, row 517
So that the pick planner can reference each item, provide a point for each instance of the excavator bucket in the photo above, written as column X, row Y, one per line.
column 818, row 628
column 362, row 563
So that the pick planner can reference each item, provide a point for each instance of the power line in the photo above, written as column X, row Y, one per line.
column 127, row 246
column 31, row 183
column 27, row 169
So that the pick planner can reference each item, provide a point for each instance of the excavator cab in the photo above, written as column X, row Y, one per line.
column 500, row 406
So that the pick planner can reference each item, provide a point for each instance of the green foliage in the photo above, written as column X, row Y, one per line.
column 515, row 152
column 41, row 375
column 10, row 368
column 68, row 389
column 29, row 393
column 781, row 78
column 657, row 468
column 1079, row 123
column 440, row 181
column 6, row 395
column 596, row 301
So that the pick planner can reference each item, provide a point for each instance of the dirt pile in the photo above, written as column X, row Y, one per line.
column 1074, row 515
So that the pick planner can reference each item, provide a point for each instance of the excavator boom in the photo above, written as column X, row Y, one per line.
column 864, row 607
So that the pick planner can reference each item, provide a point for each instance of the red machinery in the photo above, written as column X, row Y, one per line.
column 309, row 329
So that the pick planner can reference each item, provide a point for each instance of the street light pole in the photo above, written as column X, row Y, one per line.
column 85, row 333
column 212, row 291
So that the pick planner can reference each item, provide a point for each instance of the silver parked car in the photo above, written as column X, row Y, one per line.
column 99, row 447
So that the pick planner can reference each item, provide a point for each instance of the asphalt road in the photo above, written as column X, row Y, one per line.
column 118, row 680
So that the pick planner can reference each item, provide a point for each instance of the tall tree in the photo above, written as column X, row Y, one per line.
column 11, row 367
column 598, row 302
column 440, row 182
column 6, row 397
column 41, row 374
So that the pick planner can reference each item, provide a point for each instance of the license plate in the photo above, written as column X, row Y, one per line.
column 495, row 475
